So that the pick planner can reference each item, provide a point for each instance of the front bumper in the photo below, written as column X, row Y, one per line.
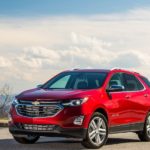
column 56, row 132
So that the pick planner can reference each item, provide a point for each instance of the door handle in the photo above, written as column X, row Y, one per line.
column 128, row 96
column 146, row 95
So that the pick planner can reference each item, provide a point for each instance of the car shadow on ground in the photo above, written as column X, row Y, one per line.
column 48, row 144
column 112, row 141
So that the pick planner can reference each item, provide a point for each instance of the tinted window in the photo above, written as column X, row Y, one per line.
column 146, row 81
column 61, row 83
column 116, row 79
column 132, row 83
column 76, row 80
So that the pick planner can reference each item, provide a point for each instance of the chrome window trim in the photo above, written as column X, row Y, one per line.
column 144, row 88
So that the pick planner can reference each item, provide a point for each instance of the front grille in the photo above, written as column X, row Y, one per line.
column 36, row 127
column 42, row 102
column 43, row 109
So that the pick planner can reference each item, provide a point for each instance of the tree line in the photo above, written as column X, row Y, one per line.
column 5, row 100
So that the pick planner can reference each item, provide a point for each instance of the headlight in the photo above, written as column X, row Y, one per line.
column 15, row 101
column 75, row 102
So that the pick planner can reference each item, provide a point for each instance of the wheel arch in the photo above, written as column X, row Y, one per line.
column 100, row 109
column 104, row 112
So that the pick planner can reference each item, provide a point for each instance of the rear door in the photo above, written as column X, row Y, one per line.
column 136, row 97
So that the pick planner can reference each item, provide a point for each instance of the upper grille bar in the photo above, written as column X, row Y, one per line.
column 43, row 109
column 42, row 102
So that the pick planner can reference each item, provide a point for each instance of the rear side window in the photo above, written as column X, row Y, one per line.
column 132, row 83
column 146, row 81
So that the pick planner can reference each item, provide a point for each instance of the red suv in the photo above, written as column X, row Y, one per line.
column 87, row 104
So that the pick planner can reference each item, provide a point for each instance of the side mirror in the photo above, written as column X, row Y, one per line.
column 115, row 88
column 39, row 86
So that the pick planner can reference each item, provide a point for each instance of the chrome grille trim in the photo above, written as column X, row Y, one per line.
column 38, row 111
column 42, row 102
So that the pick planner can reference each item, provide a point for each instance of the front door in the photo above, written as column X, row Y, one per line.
column 119, row 102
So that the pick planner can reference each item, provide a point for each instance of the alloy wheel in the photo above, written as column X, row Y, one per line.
column 97, row 131
column 148, row 126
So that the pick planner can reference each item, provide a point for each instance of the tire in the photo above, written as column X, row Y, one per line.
column 145, row 134
column 26, row 140
column 97, row 133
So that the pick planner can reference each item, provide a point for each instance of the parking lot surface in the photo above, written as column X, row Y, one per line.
column 125, row 141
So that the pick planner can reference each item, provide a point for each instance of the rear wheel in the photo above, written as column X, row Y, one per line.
column 97, row 132
column 145, row 134
column 29, row 139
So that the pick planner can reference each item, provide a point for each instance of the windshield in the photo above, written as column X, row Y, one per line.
column 76, row 80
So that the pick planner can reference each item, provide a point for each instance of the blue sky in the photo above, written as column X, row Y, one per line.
column 40, row 38
column 67, row 7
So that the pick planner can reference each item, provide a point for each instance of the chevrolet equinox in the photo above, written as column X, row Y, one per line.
column 83, row 103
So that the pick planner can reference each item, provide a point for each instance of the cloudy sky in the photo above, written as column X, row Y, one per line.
column 40, row 38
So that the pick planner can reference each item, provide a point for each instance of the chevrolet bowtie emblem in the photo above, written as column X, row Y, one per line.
column 35, row 103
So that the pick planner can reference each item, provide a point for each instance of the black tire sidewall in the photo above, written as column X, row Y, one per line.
column 145, row 128
column 89, row 144
column 143, row 135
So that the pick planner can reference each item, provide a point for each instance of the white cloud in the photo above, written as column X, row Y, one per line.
column 4, row 62
column 40, row 52
column 34, row 49
column 128, row 60
column 38, row 57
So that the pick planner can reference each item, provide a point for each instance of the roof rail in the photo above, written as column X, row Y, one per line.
column 116, row 68
column 124, row 69
column 136, row 72
column 75, row 69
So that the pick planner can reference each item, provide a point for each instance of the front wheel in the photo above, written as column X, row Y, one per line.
column 97, row 132
column 29, row 139
column 145, row 134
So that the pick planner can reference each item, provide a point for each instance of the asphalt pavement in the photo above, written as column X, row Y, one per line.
column 122, row 141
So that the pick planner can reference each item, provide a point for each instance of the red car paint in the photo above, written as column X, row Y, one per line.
column 120, row 108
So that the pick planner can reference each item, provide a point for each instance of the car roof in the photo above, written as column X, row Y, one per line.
column 90, row 70
column 102, row 70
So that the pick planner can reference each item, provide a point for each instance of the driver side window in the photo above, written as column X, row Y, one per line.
column 117, row 80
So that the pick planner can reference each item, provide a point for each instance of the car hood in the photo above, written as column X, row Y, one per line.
column 37, row 93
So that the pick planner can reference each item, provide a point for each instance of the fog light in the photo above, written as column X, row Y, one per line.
column 78, row 120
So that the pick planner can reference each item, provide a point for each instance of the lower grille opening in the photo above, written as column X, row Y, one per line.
column 36, row 127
